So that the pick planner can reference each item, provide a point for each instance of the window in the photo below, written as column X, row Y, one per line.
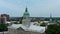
column 21, row 32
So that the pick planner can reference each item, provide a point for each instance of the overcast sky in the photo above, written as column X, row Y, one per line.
column 36, row 8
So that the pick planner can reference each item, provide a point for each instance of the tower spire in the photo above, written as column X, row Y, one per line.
column 50, row 17
column 26, row 9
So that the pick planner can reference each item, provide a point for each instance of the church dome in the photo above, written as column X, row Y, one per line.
column 26, row 13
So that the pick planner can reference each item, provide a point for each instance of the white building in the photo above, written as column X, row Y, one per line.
column 26, row 27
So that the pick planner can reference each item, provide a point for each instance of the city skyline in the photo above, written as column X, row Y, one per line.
column 36, row 8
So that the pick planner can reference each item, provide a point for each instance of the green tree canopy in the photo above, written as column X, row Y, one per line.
column 21, row 20
column 43, row 24
column 53, row 29
column 3, row 27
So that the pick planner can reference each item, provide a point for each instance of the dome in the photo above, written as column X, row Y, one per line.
column 26, row 13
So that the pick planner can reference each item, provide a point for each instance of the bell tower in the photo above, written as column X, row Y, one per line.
column 26, row 18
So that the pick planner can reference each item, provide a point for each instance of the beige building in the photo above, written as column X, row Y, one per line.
column 26, row 27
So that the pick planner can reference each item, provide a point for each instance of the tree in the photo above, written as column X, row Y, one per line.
column 21, row 20
column 53, row 29
column 43, row 24
column 3, row 27
column 46, row 19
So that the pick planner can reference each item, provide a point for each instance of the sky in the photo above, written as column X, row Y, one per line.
column 36, row 8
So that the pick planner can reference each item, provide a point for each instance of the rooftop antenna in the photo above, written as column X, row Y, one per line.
column 50, row 15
